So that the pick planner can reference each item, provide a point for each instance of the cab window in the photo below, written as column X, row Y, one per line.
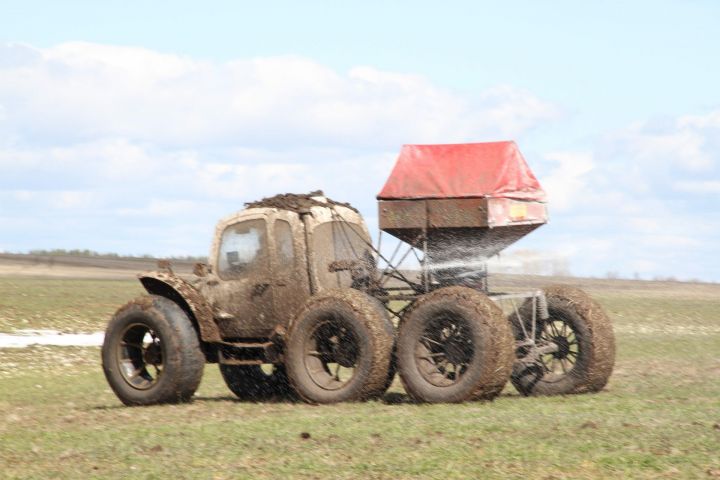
column 243, row 249
column 284, row 247
column 338, row 241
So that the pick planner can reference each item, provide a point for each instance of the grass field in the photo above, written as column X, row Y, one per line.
column 67, row 305
column 659, row 416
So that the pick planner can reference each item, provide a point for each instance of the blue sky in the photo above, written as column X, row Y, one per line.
column 131, row 127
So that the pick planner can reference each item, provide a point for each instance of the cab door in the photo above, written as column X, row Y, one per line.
column 291, row 287
column 243, row 293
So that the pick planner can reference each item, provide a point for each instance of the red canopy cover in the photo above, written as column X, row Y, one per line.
column 467, row 170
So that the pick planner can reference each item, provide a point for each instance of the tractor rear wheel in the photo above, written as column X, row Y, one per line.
column 573, row 350
column 253, row 383
column 392, row 368
column 454, row 344
column 151, row 353
column 339, row 348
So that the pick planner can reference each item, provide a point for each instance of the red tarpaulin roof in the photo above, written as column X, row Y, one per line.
column 493, row 169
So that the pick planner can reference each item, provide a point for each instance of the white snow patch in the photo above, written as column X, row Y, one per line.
column 26, row 338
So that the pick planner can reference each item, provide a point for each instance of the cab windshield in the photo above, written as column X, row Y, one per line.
column 242, row 249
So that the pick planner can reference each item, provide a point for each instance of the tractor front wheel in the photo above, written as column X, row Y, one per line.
column 339, row 348
column 151, row 353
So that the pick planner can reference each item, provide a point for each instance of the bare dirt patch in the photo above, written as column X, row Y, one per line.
column 77, row 266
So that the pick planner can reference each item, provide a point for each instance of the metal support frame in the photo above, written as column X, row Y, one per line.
column 392, row 271
column 538, row 298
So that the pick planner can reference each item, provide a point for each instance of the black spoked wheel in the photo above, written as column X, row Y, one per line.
column 140, row 356
column 573, row 351
column 339, row 348
column 151, row 353
column 561, row 359
column 445, row 350
column 331, row 353
column 454, row 345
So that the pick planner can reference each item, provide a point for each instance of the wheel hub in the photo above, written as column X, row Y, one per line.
column 444, row 351
column 152, row 354
column 456, row 352
column 563, row 347
column 344, row 353
column 331, row 350
column 139, row 356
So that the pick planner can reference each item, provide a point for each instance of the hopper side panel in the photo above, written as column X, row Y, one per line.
column 505, row 212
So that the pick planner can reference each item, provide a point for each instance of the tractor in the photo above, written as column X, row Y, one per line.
column 296, row 300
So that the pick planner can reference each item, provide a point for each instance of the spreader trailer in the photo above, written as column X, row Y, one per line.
column 295, row 299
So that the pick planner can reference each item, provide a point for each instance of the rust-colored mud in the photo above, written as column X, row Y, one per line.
column 296, row 202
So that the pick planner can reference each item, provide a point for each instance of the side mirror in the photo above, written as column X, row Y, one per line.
column 201, row 269
column 164, row 265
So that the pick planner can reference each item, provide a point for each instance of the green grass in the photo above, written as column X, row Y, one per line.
column 65, row 305
column 659, row 416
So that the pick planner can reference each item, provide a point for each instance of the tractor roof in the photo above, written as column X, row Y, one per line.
column 298, row 202
column 468, row 170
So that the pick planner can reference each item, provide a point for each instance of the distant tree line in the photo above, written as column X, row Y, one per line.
column 92, row 253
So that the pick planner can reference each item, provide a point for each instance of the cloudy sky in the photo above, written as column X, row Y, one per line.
column 132, row 126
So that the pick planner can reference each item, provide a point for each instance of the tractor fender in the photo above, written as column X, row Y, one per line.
column 172, row 287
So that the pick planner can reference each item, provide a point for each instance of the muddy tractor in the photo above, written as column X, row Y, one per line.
column 296, row 300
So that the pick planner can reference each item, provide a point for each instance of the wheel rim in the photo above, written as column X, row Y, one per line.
column 140, row 356
column 560, row 332
column 332, row 351
column 445, row 350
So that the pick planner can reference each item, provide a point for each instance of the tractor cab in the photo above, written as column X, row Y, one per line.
column 267, row 260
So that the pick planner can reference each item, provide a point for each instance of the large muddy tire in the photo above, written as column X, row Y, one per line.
column 151, row 353
column 454, row 344
column 584, row 342
column 252, row 383
column 390, row 329
column 392, row 370
column 339, row 348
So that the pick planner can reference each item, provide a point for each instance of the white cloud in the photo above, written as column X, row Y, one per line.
column 638, row 202
column 686, row 143
column 568, row 180
column 23, row 195
column 698, row 186
column 708, row 120
column 645, row 224
column 56, row 199
column 80, row 91
column 513, row 111
column 671, row 241
column 684, row 148
column 162, row 208
column 230, row 181
column 73, row 199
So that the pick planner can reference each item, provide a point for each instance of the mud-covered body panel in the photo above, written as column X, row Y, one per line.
column 341, row 216
column 171, row 286
column 253, row 305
